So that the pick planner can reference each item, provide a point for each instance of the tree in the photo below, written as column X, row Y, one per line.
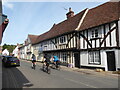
column 10, row 48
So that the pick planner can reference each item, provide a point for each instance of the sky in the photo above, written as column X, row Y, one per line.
column 36, row 17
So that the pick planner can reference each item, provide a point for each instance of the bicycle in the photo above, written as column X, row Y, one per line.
column 46, row 68
column 56, row 65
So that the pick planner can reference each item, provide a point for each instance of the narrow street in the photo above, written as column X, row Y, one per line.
column 25, row 77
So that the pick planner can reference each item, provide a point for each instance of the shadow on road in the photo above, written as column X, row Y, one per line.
column 13, row 78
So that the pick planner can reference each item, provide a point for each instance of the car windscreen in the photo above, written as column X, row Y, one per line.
column 12, row 58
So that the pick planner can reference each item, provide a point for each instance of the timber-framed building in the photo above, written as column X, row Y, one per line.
column 90, row 38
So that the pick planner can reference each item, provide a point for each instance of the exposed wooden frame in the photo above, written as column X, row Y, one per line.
column 107, row 35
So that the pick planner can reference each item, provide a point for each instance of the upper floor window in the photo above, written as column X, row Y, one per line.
column 95, row 33
column 45, row 44
column 62, row 40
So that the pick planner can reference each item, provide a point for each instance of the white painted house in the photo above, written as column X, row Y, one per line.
column 26, row 50
column 5, row 52
column 16, row 51
column 100, row 47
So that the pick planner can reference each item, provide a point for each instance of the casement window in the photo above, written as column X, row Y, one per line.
column 62, row 40
column 50, row 42
column 45, row 44
column 94, row 57
column 64, row 57
column 94, row 33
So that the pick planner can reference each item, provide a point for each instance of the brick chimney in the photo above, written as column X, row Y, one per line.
column 70, row 13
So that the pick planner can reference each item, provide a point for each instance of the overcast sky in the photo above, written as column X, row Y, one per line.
column 36, row 17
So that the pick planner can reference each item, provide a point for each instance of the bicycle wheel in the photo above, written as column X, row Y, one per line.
column 58, row 67
column 53, row 66
column 48, row 70
column 34, row 66
column 43, row 67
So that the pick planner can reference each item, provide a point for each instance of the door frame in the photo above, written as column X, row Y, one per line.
column 114, row 60
column 77, row 65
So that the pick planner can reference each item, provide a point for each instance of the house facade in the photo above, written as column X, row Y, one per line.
column 88, row 39
column 3, row 22
column 16, row 51
column 5, row 52
column 26, row 50
column 21, row 52
column 103, row 50
column 61, row 39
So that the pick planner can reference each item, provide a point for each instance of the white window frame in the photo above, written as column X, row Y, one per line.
column 95, row 33
column 64, row 40
column 64, row 57
column 94, row 57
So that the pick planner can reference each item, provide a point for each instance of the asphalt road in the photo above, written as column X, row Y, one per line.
column 25, row 77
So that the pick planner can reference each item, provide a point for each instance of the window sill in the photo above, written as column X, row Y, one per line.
column 62, row 44
column 95, row 38
column 94, row 63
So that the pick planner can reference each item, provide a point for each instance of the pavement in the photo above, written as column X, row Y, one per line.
column 87, row 71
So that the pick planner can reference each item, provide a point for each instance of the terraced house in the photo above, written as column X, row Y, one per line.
column 88, row 39
column 26, row 50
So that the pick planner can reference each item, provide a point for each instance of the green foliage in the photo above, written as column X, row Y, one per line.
column 10, row 48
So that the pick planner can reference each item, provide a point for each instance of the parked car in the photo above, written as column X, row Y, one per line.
column 10, row 61
column 1, row 57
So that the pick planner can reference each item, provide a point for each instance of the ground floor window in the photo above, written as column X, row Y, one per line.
column 64, row 57
column 94, row 57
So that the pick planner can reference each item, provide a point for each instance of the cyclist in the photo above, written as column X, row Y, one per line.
column 46, row 63
column 47, row 60
column 56, row 61
column 33, row 60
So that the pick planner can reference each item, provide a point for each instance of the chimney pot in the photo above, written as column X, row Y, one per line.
column 70, row 13
column 70, row 9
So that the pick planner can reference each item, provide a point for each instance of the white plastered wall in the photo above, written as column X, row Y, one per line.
column 104, row 56
column 119, row 31
column 85, row 62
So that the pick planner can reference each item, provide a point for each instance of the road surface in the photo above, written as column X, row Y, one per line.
column 25, row 77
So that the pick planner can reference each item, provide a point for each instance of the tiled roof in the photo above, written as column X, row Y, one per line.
column 68, row 25
column 32, row 38
column 102, row 14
